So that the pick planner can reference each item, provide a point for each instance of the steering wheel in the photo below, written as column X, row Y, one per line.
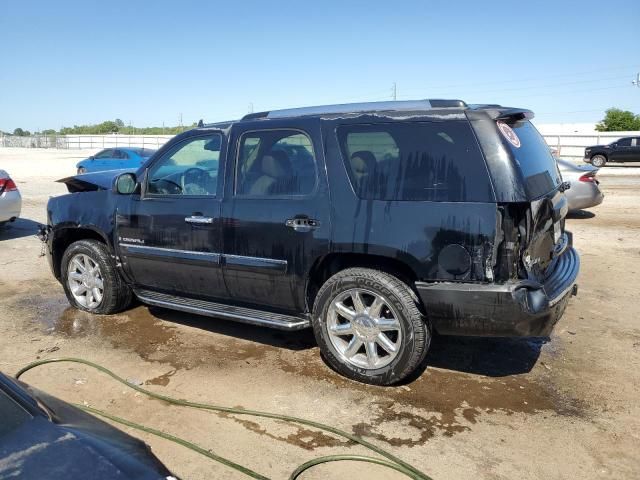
column 194, row 181
column 167, row 187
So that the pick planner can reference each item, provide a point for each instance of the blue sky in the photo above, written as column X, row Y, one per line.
column 77, row 62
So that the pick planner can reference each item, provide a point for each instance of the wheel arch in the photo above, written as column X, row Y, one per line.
column 327, row 266
column 63, row 237
column 602, row 154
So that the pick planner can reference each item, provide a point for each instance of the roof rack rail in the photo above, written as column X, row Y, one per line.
column 403, row 105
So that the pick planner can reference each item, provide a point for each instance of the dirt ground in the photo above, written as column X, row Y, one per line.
column 561, row 408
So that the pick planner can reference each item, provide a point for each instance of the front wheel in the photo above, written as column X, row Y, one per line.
column 598, row 161
column 81, row 170
column 369, row 327
column 90, row 279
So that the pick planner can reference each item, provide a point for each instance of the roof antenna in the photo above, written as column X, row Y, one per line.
column 200, row 123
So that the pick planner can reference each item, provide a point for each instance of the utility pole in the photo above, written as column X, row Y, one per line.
column 181, row 122
column 636, row 82
column 250, row 107
column 394, row 91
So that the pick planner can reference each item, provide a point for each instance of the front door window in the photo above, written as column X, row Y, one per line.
column 189, row 169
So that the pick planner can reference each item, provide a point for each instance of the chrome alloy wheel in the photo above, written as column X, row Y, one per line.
column 364, row 329
column 85, row 281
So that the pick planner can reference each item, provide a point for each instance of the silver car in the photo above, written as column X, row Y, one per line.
column 585, row 191
column 10, row 200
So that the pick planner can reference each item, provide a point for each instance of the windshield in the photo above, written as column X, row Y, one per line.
column 146, row 152
column 532, row 155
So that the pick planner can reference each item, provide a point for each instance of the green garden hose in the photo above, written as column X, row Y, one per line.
column 391, row 461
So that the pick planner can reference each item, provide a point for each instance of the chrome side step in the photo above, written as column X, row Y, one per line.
column 212, row 309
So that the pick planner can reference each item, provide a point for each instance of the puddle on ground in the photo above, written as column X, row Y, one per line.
column 153, row 334
column 301, row 437
column 465, row 378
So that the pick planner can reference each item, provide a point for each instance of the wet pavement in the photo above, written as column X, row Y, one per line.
column 464, row 377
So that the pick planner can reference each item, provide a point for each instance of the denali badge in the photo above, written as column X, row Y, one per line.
column 131, row 240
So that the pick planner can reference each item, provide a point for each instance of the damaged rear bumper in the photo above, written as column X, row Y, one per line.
column 521, row 308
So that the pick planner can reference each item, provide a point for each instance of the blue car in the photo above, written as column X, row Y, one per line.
column 115, row 159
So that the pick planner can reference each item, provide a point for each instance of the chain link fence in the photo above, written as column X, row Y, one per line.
column 569, row 146
column 84, row 141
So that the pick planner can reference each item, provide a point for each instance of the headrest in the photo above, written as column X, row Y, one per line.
column 363, row 161
column 276, row 164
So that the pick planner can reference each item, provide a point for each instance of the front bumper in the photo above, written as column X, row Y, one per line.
column 521, row 308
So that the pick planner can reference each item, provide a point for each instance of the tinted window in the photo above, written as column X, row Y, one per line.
column 275, row 162
column 11, row 414
column 146, row 152
column 538, row 167
column 190, row 168
column 105, row 154
column 624, row 142
column 438, row 161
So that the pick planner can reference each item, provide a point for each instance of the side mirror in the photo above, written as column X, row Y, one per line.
column 614, row 145
column 92, row 157
column 125, row 184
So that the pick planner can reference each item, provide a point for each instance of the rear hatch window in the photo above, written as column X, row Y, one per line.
column 433, row 161
column 532, row 156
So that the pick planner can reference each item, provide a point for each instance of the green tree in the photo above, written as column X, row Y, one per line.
column 119, row 123
column 616, row 120
column 18, row 132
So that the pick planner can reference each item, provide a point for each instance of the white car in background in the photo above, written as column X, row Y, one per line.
column 585, row 188
column 10, row 199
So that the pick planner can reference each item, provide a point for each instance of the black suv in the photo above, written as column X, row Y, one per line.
column 372, row 223
column 627, row 149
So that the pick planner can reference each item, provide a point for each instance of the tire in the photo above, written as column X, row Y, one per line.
column 115, row 294
column 396, row 317
column 598, row 161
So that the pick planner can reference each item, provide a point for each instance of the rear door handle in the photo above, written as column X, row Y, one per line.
column 302, row 224
column 198, row 219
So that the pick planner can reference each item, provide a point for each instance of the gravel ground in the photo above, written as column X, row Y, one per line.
column 563, row 408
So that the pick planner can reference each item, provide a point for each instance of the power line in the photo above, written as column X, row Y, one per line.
column 533, row 79
column 537, row 87
column 547, row 93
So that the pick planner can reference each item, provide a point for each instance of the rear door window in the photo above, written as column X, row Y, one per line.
column 533, row 157
column 436, row 161
column 275, row 163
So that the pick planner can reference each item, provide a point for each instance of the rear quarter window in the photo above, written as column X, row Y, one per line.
column 415, row 161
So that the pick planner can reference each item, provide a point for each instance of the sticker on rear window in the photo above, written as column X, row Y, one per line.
column 509, row 134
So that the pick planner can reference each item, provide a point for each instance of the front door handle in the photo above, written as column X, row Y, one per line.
column 302, row 224
column 198, row 219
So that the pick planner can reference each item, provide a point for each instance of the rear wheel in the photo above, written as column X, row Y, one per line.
column 369, row 327
column 91, row 281
column 598, row 161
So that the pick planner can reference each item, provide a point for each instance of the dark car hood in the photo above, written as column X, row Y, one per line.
column 88, row 182
column 67, row 443
column 40, row 449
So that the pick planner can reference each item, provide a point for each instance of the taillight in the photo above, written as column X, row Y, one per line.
column 589, row 177
column 7, row 185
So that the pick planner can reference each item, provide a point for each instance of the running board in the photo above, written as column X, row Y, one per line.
column 212, row 309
